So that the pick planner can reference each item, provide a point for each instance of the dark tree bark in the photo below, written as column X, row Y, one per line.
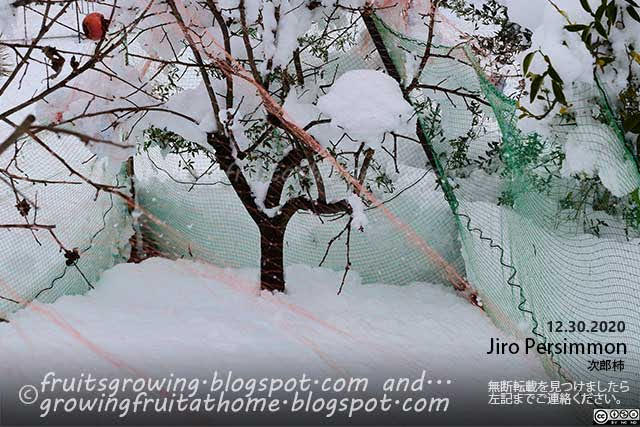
column 272, row 229
column 272, row 257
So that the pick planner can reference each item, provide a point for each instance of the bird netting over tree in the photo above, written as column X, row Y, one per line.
column 533, row 258
column 93, row 225
column 477, row 198
column 533, row 253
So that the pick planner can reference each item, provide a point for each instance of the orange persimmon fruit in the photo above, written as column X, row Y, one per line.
column 94, row 26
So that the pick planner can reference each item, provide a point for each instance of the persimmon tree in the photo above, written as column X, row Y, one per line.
column 258, row 87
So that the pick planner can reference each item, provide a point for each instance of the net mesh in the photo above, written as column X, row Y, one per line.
column 33, row 265
column 531, row 259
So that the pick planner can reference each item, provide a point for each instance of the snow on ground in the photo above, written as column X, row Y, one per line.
column 185, row 313
column 164, row 316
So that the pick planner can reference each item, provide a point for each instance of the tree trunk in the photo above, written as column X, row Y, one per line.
column 272, row 257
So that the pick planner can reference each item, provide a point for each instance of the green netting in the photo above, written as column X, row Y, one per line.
column 205, row 229
column 32, row 266
column 211, row 224
column 531, row 259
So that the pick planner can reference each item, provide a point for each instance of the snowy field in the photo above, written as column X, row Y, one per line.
column 161, row 300
column 187, row 318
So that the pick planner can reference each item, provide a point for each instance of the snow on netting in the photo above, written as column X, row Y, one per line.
column 34, row 266
column 201, row 216
column 79, row 231
column 532, row 260
column 508, row 229
column 210, row 223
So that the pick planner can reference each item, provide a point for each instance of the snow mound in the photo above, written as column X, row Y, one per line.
column 366, row 104
column 182, row 318
column 168, row 316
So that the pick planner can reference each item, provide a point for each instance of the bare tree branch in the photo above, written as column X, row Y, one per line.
column 17, row 133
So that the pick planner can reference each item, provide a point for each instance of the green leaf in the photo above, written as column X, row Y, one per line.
column 574, row 28
column 600, row 29
column 554, row 74
column 586, row 37
column 631, row 123
column 536, row 83
column 600, row 11
column 552, row 71
column 612, row 12
column 558, row 92
column 633, row 13
column 585, row 5
column 635, row 196
column 527, row 62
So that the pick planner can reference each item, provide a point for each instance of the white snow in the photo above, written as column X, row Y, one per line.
column 366, row 104
column 358, row 217
column 270, row 27
column 598, row 151
column 561, row 270
column 166, row 316
column 294, row 22
column 300, row 113
column 225, row 234
column 259, row 190
column 7, row 18
column 195, row 103
column 567, row 52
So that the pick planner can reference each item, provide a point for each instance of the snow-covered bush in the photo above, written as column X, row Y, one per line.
column 578, row 46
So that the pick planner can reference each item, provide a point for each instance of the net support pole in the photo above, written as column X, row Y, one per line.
column 370, row 22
